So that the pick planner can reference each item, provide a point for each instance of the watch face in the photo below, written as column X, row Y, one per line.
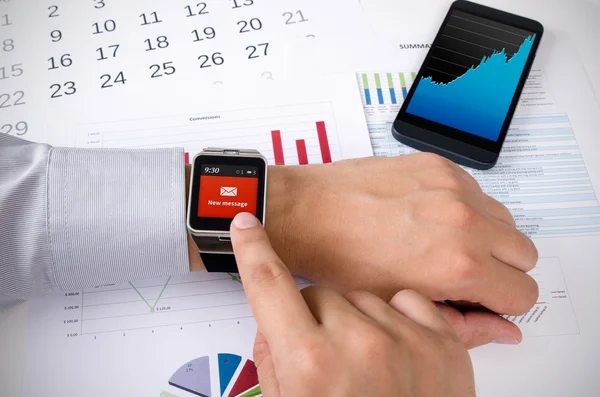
column 222, row 187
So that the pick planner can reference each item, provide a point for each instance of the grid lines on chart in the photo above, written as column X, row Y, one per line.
column 163, row 303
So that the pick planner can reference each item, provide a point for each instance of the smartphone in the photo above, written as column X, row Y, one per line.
column 463, row 98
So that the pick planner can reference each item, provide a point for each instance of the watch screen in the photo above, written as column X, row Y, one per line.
column 226, row 190
column 224, row 186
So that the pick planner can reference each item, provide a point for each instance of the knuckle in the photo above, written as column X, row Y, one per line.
column 508, row 215
column 370, row 342
column 497, row 203
column 470, row 178
column 530, row 295
column 462, row 214
column 311, row 356
column 532, row 254
column 524, row 249
column 466, row 266
column 268, row 273
column 521, row 301
column 495, row 206
column 451, row 181
column 261, row 350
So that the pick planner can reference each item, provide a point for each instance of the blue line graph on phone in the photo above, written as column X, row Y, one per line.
column 478, row 101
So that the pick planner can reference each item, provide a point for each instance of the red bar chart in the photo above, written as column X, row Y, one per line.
column 301, row 148
column 302, row 153
column 277, row 147
column 324, row 142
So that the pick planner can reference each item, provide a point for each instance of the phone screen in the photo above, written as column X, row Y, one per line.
column 472, row 74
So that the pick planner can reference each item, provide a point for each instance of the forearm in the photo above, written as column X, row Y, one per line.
column 74, row 218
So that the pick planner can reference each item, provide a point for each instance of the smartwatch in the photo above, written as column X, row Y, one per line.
column 224, row 182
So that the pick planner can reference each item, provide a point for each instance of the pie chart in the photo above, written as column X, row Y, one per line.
column 237, row 377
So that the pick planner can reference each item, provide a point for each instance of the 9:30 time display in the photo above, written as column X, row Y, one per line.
column 211, row 170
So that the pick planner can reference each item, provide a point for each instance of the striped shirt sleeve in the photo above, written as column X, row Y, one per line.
column 75, row 218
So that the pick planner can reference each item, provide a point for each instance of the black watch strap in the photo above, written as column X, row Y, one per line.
column 219, row 263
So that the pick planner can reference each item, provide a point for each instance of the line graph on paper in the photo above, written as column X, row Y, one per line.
column 173, row 301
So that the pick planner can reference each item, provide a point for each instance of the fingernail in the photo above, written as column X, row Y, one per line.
column 245, row 220
column 506, row 341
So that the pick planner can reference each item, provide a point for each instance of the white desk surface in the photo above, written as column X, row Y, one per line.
column 577, row 17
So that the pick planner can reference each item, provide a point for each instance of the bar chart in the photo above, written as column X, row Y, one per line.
column 286, row 135
column 301, row 151
column 385, row 88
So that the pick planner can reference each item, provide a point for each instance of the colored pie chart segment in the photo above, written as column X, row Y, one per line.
column 246, row 381
column 228, row 364
column 237, row 377
column 194, row 377
column 252, row 392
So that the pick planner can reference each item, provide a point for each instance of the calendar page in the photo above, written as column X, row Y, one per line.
column 55, row 54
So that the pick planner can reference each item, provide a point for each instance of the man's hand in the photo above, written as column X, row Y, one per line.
column 320, row 343
column 414, row 222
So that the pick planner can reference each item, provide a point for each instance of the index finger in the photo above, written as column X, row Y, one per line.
column 276, row 302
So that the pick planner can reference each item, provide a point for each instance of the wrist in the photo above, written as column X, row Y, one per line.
column 288, row 222
column 285, row 220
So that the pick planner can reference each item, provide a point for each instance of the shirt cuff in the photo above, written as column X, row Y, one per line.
column 115, row 215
